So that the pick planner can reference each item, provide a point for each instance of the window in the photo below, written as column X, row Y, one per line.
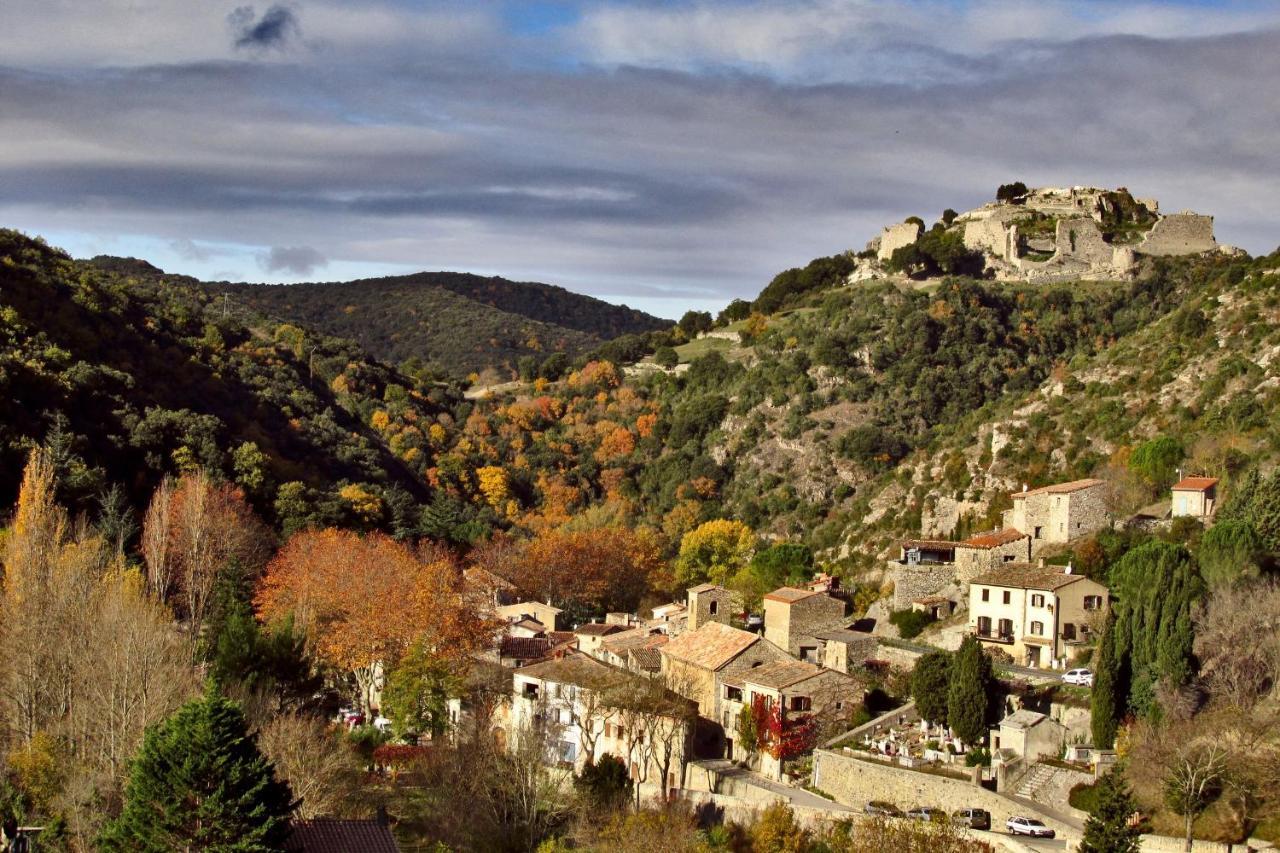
column 1068, row 631
column 1008, row 558
column 568, row 752
column 1006, row 627
column 1037, row 629
column 566, row 716
column 1037, row 600
column 713, row 608
column 839, row 706
column 801, row 703
column 1062, row 528
column 809, row 654
column 986, row 595
column 530, row 690
column 984, row 626
column 1037, row 536
column 1093, row 602
column 1006, row 595
column 734, row 694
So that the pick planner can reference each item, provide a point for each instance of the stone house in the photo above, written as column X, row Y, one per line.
column 1035, row 613
column 546, row 614
column 1195, row 497
column 793, row 616
column 515, row 652
column 695, row 663
column 923, row 567
column 592, row 634
column 845, row 650
column 578, row 705
column 987, row 551
column 1027, row 735
column 1060, row 513
column 799, row 689
column 617, row 648
column 708, row 603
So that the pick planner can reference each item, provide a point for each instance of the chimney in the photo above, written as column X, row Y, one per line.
column 1067, row 570
column 1040, row 563
column 383, row 820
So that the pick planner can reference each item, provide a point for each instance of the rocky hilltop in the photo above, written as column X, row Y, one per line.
column 1050, row 234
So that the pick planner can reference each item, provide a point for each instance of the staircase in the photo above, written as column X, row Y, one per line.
column 1036, row 778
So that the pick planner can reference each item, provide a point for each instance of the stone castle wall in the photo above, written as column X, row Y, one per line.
column 1179, row 234
column 1080, row 238
column 895, row 237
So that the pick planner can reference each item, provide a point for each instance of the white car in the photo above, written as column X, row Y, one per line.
column 1082, row 677
column 1019, row 825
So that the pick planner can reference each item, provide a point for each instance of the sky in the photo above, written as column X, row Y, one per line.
column 666, row 155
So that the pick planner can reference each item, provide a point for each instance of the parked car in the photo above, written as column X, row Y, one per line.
column 1082, row 677
column 972, row 818
column 926, row 813
column 1018, row 825
column 880, row 807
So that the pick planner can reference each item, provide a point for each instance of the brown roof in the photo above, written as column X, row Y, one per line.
column 844, row 635
column 574, row 668
column 649, row 660
column 703, row 587
column 930, row 599
column 1195, row 484
column 789, row 594
column 1061, row 488
column 526, row 648
column 330, row 835
column 561, row 636
column 711, row 646
column 932, row 544
column 477, row 575
column 1026, row 576
column 530, row 624
column 780, row 674
column 994, row 539
column 598, row 629
column 636, row 638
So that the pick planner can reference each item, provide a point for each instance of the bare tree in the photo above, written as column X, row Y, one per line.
column 1237, row 640
column 157, row 530
column 322, row 771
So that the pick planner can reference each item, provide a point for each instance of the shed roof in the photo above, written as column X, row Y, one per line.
column 331, row 835
column 844, row 635
column 994, row 539
column 711, row 646
column 789, row 594
column 1062, row 488
column 574, row 668
column 1026, row 576
column 704, row 587
column 1195, row 484
column 1023, row 719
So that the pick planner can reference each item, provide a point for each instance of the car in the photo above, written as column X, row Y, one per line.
column 880, row 807
column 972, row 818
column 926, row 813
column 1018, row 825
column 1083, row 677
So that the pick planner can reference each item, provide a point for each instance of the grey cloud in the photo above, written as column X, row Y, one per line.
column 276, row 26
column 300, row 260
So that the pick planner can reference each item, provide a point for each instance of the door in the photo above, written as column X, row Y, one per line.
column 1033, row 656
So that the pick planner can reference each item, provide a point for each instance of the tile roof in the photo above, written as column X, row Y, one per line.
column 1061, row 488
column 1026, row 576
column 637, row 638
column 561, row 636
column 477, row 575
column 789, row 594
column 930, row 599
column 703, row 587
column 526, row 648
column 1023, row 719
column 574, row 668
column 649, row 660
column 844, row 635
column 711, row 646
column 1195, row 484
column 930, row 544
column 994, row 539
column 529, row 624
column 598, row 629
column 780, row 674
column 330, row 835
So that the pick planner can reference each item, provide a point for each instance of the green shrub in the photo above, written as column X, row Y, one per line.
column 910, row 622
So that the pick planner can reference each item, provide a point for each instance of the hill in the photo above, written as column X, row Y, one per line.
column 130, row 375
column 458, row 322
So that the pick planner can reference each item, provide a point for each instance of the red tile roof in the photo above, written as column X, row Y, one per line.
column 330, row 835
column 598, row 629
column 789, row 594
column 930, row 544
column 1195, row 484
column 1061, row 488
column 780, row 674
column 711, row 646
column 1026, row 576
column 994, row 539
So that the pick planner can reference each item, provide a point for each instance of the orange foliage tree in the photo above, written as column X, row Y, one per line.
column 363, row 600
column 603, row 568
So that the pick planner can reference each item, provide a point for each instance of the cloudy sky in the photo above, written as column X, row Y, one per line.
column 664, row 154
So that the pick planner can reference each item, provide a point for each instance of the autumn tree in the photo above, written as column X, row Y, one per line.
column 595, row 569
column 316, row 762
column 713, row 551
column 364, row 600
column 193, row 532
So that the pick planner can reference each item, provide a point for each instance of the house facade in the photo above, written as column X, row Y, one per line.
column 793, row 617
column 694, row 663
column 1059, row 513
column 986, row 552
column 1035, row 613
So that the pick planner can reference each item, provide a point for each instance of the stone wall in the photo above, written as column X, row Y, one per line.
column 1180, row 234
column 1079, row 238
column 700, row 606
column 911, row 582
column 971, row 562
column 1087, row 512
column 855, row 782
column 895, row 237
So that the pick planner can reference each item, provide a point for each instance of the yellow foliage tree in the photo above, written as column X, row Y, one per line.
column 713, row 551
column 493, row 485
column 364, row 504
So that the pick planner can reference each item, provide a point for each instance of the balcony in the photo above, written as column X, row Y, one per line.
column 995, row 636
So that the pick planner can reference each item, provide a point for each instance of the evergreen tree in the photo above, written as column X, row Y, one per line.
column 969, row 695
column 931, row 686
column 1103, row 699
column 199, row 782
column 1108, row 829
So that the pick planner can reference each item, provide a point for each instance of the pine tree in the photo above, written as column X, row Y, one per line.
column 1103, row 698
column 1108, row 829
column 968, row 697
column 199, row 782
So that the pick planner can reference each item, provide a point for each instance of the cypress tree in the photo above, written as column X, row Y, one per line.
column 968, row 696
column 1104, row 707
column 931, row 685
column 199, row 782
column 1108, row 829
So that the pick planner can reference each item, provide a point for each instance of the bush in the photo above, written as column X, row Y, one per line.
column 980, row 757
column 1084, row 797
column 666, row 357
column 910, row 622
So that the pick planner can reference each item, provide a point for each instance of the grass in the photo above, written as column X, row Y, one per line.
column 702, row 346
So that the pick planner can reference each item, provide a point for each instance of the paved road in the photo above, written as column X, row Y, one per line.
column 726, row 769
column 1024, row 671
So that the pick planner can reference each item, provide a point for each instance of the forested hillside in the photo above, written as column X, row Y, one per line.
column 458, row 323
